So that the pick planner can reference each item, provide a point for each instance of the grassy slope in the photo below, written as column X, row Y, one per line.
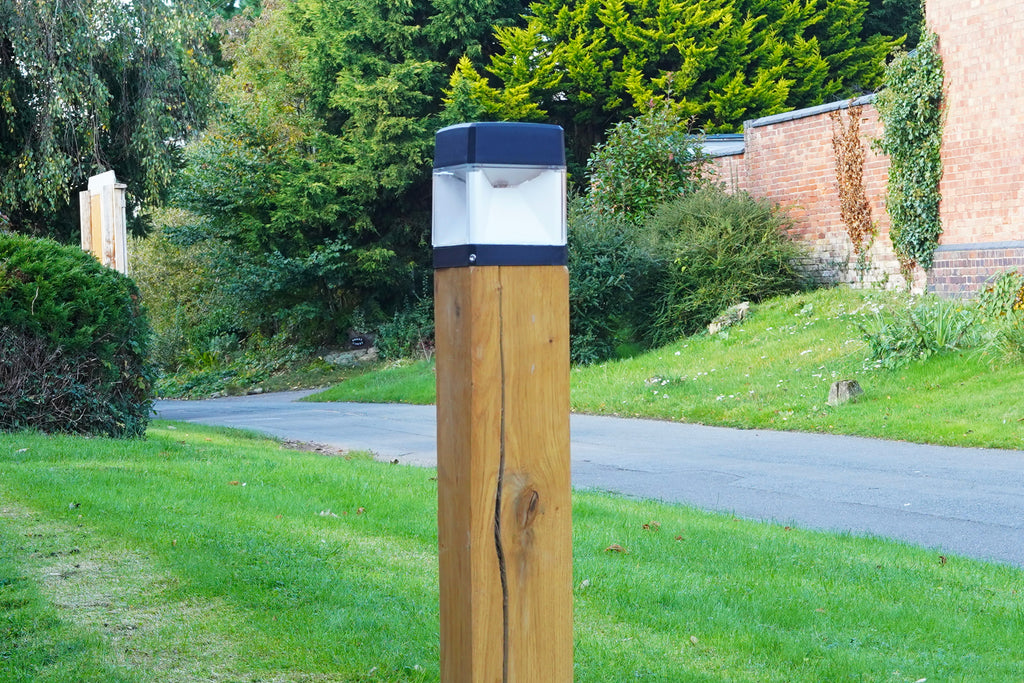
column 204, row 554
column 774, row 371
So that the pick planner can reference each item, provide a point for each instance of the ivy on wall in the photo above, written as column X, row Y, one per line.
column 910, row 108
column 854, row 207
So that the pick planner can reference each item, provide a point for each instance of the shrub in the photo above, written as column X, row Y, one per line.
column 1001, row 307
column 1002, row 296
column 230, row 367
column 614, row 277
column 926, row 327
column 73, row 343
column 645, row 161
column 191, row 310
column 410, row 333
column 724, row 249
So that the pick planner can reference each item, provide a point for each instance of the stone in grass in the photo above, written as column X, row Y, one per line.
column 730, row 317
column 844, row 391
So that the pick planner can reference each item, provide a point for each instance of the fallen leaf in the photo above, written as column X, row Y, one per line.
column 652, row 526
column 820, row 610
column 679, row 538
column 234, row 483
column 788, row 528
column 174, row 543
column 942, row 559
column 360, row 511
column 615, row 548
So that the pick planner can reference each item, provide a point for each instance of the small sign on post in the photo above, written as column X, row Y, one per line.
column 102, row 214
column 502, row 331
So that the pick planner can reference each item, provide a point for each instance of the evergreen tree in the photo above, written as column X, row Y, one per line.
column 586, row 64
column 895, row 18
column 317, row 166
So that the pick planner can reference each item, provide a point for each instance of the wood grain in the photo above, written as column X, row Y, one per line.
column 504, row 497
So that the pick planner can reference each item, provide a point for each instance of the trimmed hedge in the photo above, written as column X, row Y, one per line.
column 74, row 343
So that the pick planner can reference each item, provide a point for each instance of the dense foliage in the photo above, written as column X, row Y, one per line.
column 910, row 109
column 316, row 168
column 73, row 343
column 725, row 248
column 586, row 64
column 89, row 85
column 614, row 284
column 992, row 324
column 897, row 18
column 645, row 161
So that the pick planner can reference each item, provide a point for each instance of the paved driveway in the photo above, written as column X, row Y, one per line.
column 966, row 501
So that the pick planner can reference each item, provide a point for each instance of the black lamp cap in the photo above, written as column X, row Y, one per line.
column 504, row 143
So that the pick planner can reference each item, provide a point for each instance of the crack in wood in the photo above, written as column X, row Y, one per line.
column 498, row 541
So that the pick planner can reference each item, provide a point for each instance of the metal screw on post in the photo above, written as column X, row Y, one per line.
column 502, row 331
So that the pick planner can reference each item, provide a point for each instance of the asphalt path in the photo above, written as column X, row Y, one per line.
column 959, row 501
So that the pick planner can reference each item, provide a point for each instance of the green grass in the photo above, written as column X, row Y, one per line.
column 774, row 370
column 404, row 382
column 205, row 554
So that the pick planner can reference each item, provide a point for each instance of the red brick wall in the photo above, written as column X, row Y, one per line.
column 982, row 209
column 789, row 160
column 982, row 48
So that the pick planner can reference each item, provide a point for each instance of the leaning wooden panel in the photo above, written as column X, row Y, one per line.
column 85, row 219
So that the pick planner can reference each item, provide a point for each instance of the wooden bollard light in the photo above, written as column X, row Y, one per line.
column 501, row 293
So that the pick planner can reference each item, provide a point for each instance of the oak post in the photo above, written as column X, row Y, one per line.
column 504, row 491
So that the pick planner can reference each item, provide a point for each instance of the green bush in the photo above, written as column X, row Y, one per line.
column 724, row 249
column 1001, row 309
column 1002, row 296
column 410, row 333
column 191, row 310
column 614, row 277
column 230, row 367
column 73, row 343
column 646, row 161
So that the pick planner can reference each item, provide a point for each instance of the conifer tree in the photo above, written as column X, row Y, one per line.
column 586, row 64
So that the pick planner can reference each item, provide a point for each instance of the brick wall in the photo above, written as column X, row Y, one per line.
column 789, row 159
column 982, row 48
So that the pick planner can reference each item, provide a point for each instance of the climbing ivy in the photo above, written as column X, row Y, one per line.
column 854, row 207
column 910, row 108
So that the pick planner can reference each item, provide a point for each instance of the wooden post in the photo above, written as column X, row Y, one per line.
column 504, row 496
column 102, row 221
column 85, row 219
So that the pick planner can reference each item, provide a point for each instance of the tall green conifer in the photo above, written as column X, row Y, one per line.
column 586, row 64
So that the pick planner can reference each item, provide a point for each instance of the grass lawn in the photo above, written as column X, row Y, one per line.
column 774, row 371
column 206, row 554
